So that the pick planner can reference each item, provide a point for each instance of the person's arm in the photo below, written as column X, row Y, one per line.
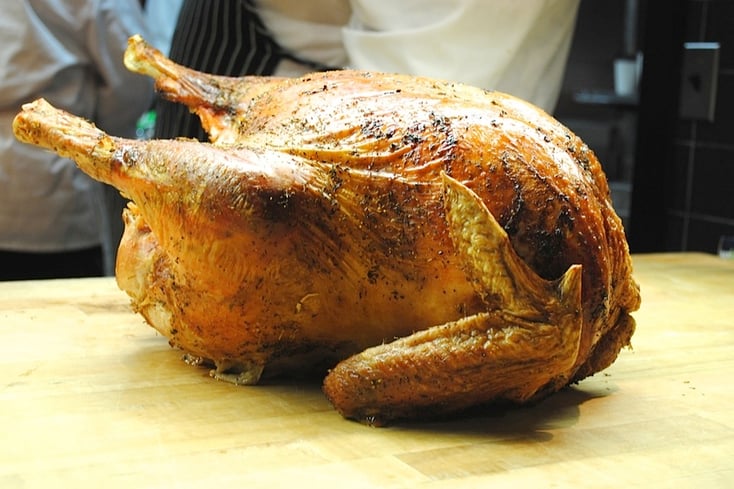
column 122, row 95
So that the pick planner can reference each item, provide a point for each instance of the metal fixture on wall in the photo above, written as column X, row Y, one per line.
column 699, row 77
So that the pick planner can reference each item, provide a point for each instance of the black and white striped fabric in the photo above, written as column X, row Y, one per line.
column 223, row 37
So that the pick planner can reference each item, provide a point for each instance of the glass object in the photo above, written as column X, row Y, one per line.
column 726, row 247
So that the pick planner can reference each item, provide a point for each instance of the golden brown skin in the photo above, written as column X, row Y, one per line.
column 337, row 212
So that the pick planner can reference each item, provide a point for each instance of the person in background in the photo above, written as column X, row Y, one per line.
column 516, row 47
column 161, row 16
column 54, row 220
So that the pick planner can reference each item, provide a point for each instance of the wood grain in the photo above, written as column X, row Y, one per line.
column 89, row 395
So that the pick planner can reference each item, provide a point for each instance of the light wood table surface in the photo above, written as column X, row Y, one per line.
column 91, row 396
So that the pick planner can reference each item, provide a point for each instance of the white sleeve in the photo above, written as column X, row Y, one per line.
column 518, row 47
column 122, row 95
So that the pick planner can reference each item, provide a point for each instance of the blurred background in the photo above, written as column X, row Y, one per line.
column 667, row 145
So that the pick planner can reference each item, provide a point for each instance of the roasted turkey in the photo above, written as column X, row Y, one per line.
column 433, row 246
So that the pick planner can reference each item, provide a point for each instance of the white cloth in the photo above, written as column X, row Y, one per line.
column 310, row 30
column 518, row 47
column 69, row 52
column 161, row 16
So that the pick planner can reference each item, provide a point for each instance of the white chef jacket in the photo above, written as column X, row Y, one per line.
column 69, row 52
column 517, row 47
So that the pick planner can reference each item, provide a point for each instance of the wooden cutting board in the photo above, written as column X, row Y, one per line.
column 91, row 396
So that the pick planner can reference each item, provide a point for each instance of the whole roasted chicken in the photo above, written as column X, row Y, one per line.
column 434, row 246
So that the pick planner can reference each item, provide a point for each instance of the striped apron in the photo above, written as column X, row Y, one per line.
column 222, row 37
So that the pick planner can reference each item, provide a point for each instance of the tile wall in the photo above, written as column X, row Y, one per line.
column 700, row 204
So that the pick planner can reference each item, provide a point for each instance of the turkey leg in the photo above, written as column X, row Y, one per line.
column 215, row 99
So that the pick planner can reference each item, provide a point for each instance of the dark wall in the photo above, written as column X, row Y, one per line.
column 680, row 172
column 683, row 185
column 701, row 207
column 587, row 104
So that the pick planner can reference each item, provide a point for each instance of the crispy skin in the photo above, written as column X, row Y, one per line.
column 342, row 210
